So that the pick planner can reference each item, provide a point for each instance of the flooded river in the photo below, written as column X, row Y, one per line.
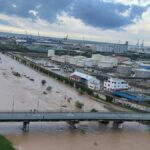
column 20, row 93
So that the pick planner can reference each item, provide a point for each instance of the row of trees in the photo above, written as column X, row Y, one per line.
column 80, row 87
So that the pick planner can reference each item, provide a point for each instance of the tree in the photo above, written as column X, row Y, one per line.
column 79, row 105
column 93, row 110
column 81, row 91
column 49, row 88
column 109, row 98
column 43, row 82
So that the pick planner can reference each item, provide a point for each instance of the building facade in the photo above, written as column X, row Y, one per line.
column 114, row 84
column 90, row 81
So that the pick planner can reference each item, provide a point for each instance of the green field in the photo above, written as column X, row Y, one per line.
column 5, row 144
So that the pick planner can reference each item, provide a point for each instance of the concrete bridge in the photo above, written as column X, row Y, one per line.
column 71, row 117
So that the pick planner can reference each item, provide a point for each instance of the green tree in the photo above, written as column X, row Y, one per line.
column 109, row 98
column 79, row 105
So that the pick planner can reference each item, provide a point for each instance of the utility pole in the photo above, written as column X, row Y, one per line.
column 38, row 103
column 13, row 104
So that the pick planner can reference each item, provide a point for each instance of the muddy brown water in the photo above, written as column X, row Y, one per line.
column 59, row 136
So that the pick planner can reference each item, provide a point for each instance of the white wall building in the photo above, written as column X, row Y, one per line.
column 51, row 53
column 105, row 61
column 91, row 81
column 115, row 84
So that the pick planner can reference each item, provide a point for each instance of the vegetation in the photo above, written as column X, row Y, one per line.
column 17, row 74
column 31, row 79
column 5, row 144
column 49, row 88
column 109, row 98
column 96, row 96
column 44, row 93
column 94, row 110
column 81, row 91
column 43, row 82
column 79, row 105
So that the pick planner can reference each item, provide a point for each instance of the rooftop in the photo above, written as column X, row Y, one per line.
column 82, row 75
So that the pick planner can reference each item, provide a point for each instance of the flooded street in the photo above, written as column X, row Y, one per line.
column 20, row 93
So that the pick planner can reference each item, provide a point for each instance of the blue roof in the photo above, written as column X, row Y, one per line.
column 130, row 96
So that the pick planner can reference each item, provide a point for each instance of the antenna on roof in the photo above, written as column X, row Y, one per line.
column 137, row 44
column 142, row 44
column 66, row 38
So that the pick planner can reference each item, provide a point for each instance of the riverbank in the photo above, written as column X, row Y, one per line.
column 5, row 144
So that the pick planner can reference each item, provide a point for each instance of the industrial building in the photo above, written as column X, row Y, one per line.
column 142, row 73
column 86, row 79
column 144, row 65
column 105, row 61
column 115, row 84
column 112, row 48
column 97, row 60
column 124, row 70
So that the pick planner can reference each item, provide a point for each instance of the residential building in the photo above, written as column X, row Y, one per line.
column 115, row 84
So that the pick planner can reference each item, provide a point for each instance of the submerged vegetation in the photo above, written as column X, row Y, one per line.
column 5, row 144
column 79, row 105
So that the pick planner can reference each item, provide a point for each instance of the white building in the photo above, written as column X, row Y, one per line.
column 51, row 53
column 90, row 81
column 115, row 84
column 105, row 61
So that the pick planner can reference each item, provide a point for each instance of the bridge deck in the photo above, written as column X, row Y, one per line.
column 69, row 116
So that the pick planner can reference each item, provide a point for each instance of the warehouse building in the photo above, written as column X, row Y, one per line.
column 112, row 48
column 86, row 79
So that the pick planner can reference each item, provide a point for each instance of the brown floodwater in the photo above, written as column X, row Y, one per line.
column 88, row 136
column 25, row 95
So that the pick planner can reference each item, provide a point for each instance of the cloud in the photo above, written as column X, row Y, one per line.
column 106, row 15
column 14, row 6
column 34, row 13
column 93, row 19
column 97, row 13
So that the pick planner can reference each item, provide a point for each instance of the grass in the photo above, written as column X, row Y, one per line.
column 5, row 144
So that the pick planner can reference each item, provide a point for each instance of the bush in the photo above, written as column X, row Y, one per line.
column 109, row 98
column 44, row 93
column 43, row 82
column 49, row 88
column 89, row 92
column 81, row 91
column 93, row 110
column 96, row 96
column 17, row 74
column 31, row 79
column 71, row 83
column 79, row 105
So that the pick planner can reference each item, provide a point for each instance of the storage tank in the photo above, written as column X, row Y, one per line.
column 124, row 70
column 142, row 73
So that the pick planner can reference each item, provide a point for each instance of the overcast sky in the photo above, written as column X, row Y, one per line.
column 100, row 20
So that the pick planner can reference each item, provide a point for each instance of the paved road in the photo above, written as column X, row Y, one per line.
column 69, row 116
